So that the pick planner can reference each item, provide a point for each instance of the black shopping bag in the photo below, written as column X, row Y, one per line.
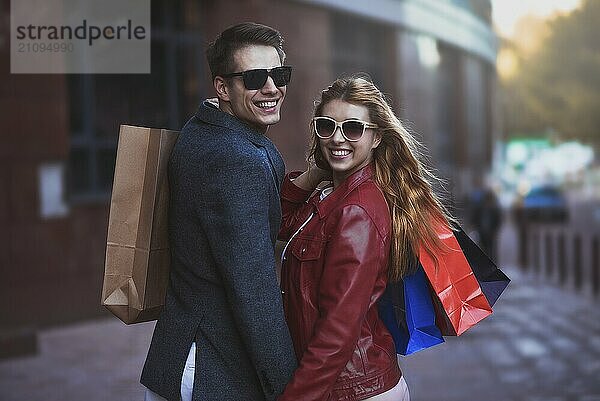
column 491, row 279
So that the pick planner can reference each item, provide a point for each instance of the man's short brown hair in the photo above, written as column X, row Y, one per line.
column 220, row 52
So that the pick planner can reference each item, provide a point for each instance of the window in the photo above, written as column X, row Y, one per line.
column 165, row 98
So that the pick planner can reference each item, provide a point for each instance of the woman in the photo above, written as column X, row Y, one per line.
column 347, row 240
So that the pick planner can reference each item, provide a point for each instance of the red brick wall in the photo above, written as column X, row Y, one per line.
column 50, row 270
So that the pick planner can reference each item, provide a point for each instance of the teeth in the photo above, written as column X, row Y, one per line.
column 267, row 105
column 342, row 152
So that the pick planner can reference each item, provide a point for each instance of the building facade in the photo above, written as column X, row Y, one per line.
column 434, row 58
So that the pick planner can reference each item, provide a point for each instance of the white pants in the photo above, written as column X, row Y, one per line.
column 398, row 393
column 187, row 379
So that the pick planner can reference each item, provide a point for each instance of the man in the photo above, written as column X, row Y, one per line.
column 223, row 298
column 486, row 217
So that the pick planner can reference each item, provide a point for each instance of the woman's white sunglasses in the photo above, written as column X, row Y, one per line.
column 352, row 130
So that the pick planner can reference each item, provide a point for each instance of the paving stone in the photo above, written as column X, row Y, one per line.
column 593, row 343
column 545, row 398
column 515, row 376
column 530, row 347
column 499, row 354
column 591, row 368
column 564, row 345
column 520, row 353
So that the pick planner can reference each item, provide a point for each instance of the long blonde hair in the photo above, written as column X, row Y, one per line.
column 416, row 212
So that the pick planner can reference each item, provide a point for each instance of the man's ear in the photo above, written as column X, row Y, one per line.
column 221, row 88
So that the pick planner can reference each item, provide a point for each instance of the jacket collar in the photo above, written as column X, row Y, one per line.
column 325, row 206
column 211, row 114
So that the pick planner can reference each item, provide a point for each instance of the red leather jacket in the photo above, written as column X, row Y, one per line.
column 334, row 270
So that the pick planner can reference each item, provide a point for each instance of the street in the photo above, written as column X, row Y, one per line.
column 541, row 343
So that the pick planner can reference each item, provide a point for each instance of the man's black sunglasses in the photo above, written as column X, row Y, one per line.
column 256, row 79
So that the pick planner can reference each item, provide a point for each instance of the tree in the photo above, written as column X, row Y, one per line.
column 557, row 85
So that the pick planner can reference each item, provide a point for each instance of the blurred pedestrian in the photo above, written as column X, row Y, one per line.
column 223, row 302
column 486, row 218
column 347, row 240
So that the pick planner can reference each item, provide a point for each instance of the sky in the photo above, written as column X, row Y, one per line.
column 506, row 13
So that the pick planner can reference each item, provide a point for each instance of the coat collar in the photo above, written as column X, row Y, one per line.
column 325, row 206
column 211, row 114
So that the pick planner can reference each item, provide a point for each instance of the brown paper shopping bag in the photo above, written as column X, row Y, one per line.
column 136, row 270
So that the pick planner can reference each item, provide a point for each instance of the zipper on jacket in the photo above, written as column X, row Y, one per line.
column 296, row 233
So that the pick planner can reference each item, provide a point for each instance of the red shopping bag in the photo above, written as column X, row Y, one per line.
column 457, row 296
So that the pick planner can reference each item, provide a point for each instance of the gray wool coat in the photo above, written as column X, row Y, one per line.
column 223, row 294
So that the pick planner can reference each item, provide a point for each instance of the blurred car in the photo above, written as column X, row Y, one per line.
column 545, row 204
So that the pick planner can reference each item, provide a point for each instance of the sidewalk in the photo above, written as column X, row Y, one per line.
column 542, row 343
column 98, row 360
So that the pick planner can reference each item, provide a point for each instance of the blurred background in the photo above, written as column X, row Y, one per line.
column 504, row 94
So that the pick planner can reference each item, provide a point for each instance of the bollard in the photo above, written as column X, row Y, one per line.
column 562, row 259
column 536, row 250
column 595, row 265
column 577, row 268
column 560, row 254
column 548, row 259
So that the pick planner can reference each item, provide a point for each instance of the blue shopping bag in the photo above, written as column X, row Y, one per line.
column 407, row 311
